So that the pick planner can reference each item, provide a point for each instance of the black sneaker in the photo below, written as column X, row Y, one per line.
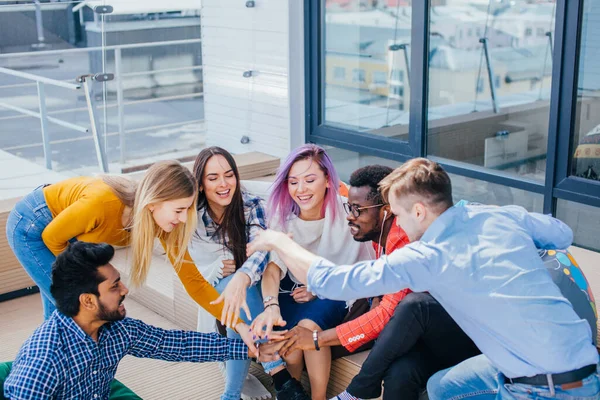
column 292, row 390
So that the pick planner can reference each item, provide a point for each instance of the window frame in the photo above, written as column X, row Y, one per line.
column 558, row 184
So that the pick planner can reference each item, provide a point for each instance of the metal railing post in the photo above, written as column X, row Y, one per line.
column 100, row 153
column 490, row 72
column 120, row 111
column 404, row 48
column 85, row 83
column 551, row 43
column 39, row 24
column 44, row 124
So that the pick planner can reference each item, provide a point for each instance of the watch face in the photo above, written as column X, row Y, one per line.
column 268, row 298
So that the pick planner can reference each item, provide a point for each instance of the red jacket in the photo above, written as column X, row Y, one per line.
column 368, row 326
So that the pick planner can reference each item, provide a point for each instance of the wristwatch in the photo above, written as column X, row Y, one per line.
column 316, row 340
column 268, row 299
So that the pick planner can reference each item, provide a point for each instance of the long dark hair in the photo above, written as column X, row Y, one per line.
column 232, row 228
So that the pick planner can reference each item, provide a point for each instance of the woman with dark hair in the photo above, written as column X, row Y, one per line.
column 228, row 218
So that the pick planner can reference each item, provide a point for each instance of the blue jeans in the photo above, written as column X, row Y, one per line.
column 477, row 378
column 236, row 371
column 24, row 228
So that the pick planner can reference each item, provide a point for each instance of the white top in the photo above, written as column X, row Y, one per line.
column 328, row 237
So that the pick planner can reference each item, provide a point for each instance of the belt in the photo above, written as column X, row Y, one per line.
column 557, row 379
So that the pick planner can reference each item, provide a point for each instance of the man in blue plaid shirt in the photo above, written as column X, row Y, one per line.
column 75, row 353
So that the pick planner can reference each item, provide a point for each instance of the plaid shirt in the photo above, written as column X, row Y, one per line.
column 60, row 361
column 254, row 211
column 368, row 326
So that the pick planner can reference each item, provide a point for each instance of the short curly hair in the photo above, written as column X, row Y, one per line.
column 370, row 176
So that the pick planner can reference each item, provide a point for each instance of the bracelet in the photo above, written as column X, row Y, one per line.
column 272, row 304
column 316, row 340
column 268, row 299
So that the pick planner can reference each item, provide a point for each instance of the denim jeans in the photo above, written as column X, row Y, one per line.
column 24, row 228
column 236, row 371
column 477, row 378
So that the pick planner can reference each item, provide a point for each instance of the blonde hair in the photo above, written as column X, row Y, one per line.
column 164, row 181
column 123, row 187
column 420, row 177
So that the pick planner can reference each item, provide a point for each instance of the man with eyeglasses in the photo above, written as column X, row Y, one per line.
column 415, row 336
column 483, row 264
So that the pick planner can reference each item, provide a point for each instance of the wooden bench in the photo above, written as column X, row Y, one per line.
column 14, row 281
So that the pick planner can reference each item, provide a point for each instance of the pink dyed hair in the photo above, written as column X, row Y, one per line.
column 281, row 205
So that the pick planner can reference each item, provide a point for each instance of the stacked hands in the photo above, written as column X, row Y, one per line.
column 267, row 344
column 263, row 342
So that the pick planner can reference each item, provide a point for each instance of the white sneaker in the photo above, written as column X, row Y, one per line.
column 254, row 390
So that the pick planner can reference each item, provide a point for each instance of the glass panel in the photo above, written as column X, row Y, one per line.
column 584, row 220
column 490, row 71
column 43, row 41
column 586, row 136
column 470, row 189
column 462, row 188
column 347, row 161
column 365, row 66
column 154, row 106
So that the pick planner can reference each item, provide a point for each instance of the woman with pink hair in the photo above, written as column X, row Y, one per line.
column 304, row 202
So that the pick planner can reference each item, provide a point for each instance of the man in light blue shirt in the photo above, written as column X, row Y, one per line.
column 481, row 263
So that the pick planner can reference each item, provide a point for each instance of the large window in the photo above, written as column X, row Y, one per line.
column 504, row 94
column 462, row 188
column 489, row 98
column 372, row 39
column 145, row 100
column 585, row 161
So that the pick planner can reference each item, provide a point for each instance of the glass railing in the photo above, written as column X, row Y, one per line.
column 100, row 86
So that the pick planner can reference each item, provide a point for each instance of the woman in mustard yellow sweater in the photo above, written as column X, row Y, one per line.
column 113, row 210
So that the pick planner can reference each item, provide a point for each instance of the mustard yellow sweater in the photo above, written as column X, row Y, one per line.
column 87, row 209
column 199, row 289
column 83, row 208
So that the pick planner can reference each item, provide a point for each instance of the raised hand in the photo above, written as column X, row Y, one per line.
column 234, row 297
column 263, row 241
column 262, row 326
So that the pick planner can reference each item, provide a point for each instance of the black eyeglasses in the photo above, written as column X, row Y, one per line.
column 355, row 210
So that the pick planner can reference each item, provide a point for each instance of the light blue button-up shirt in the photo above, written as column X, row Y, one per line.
column 481, row 263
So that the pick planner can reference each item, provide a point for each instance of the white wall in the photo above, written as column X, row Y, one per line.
column 267, row 107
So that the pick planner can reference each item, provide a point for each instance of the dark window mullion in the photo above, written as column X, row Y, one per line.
column 581, row 186
column 417, row 130
column 489, row 175
column 555, row 104
column 312, row 53
column 388, row 152
column 363, row 140
column 311, row 42
column 576, row 197
column 567, row 82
